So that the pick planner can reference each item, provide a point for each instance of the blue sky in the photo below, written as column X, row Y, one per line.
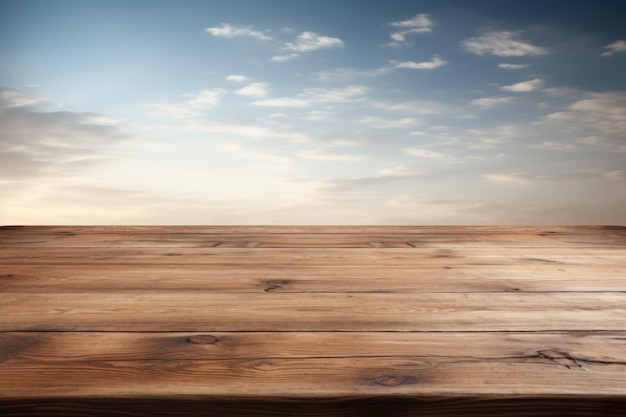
column 312, row 112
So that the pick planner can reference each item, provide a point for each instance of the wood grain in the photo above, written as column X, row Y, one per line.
column 70, row 347
column 311, row 321
column 526, row 277
column 309, row 240
column 294, row 258
column 188, row 311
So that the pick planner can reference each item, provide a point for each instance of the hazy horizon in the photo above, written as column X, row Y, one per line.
column 312, row 112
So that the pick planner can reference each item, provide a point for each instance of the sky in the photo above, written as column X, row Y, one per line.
column 447, row 112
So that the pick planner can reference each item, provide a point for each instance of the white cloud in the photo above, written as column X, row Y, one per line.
column 349, row 74
column 614, row 48
column 423, row 153
column 338, row 95
column 315, row 96
column 491, row 101
column 10, row 97
column 173, row 110
column 611, row 105
column 311, row 41
column 36, row 143
column 556, row 146
column 503, row 43
column 237, row 78
column 253, row 90
column 593, row 140
column 226, row 30
column 192, row 107
column 412, row 107
column 421, row 23
column 505, row 65
column 207, row 98
column 323, row 154
column 282, row 58
column 379, row 122
column 436, row 62
column 524, row 86
column 253, row 131
column 605, row 111
column 283, row 102
column 399, row 171
column 560, row 115
column 508, row 178
column 616, row 175
column 319, row 115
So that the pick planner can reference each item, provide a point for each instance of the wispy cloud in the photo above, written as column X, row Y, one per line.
column 595, row 174
column 254, row 90
column 508, row 66
column 311, row 41
column 286, row 57
column 555, row 146
column 349, row 74
column 436, row 62
column 423, row 153
column 38, row 143
column 284, row 102
column 524, row 86
column 615, row 175
column 11, row 97
column 226, row 30
column 505, row 43
column 325, row 154
column 412, row 107
column 250, row 130
column 491, row 101
column 335, row 188
column 509, row 178
column 316, row 115
column 316, row 95
column 382, row 123
column 192, row 107
column 399, row 171
column 615, row 48
column 237, row 78
column 420, row 23
column 307, row 42
column 605, row 111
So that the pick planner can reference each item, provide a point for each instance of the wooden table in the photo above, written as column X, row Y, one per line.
column 312, row 321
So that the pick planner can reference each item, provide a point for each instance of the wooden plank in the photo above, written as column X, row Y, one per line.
column 311, row 240
column 191, row 311
column 528, row 277
column 70, row 347
column 319, row 257
column 310, row 377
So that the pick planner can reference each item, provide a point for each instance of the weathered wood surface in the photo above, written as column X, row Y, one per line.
column 310, row 321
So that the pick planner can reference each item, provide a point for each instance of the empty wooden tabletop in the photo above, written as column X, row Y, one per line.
column 312, row 320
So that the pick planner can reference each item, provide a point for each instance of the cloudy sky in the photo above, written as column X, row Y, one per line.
column 312, row 112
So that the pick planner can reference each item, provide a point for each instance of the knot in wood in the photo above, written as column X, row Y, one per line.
column 202, row 339
column 390, row 380
column 274, row 284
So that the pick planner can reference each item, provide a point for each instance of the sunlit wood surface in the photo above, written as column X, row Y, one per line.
column 312, row 321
